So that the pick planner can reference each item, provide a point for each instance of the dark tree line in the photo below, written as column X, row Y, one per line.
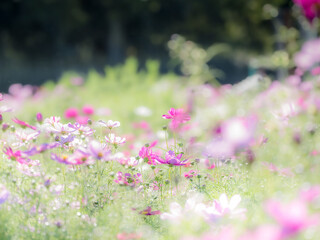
column 110, row 30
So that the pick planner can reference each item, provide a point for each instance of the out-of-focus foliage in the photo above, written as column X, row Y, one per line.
column 194, row 59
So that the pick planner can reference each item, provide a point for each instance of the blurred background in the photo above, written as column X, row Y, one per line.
column 40, row 39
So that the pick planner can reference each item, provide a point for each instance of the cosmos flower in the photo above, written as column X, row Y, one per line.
column 98, row 151
column 112, row 139
column 80, row 129
column 16, row 156
column 172, row 159
column 148, row 155
column 23, row 124
column 88, row 110
column 109, row 124
column 293, row 217
column 71, row 113
column 177, row 117
column 224, row 207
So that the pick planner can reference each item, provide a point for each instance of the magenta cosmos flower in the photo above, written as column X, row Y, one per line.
column 177, row 116
column 23, row 124
column 311, row 8
column 71, row 113
column 15, row 156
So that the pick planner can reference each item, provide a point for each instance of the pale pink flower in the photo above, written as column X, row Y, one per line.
column 112, row 139
column 178, row 213
column 80, row 129
column 224, row 207
column 287, row 111
column 109, row 124
column 25, row 135
column 239, row 131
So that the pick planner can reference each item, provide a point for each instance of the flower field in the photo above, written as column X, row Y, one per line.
column 102, row 157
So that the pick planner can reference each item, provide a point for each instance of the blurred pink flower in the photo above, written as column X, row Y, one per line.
column 309, row 55
column 265, row 232
column 71, row 113
column 224, row 207
column 177, row 116
column 310, row 193
column 88, row 110
column 293, row 216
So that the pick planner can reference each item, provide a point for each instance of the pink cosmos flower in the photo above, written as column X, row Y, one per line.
column 172, row 159
column 80, row 129
column 53, row 125
column 88, row 110
column 4, row 194
column 148, row 155
column 98, row 151
column 16, row 156
column 23, row 124
column 293, row 217
column 71, row 113
column 177, row 116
